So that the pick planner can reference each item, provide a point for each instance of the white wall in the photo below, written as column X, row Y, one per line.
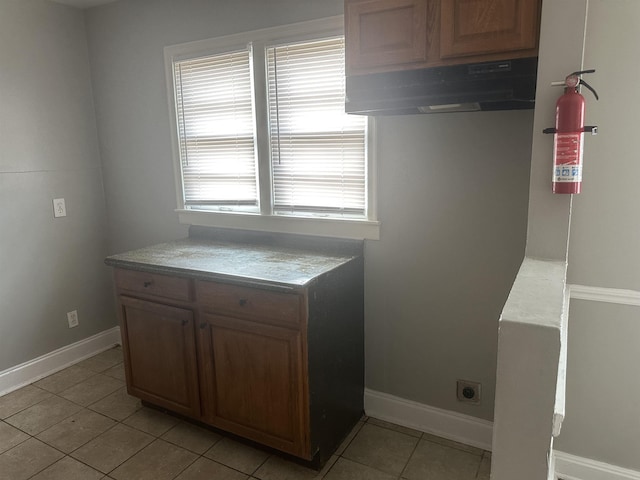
column 452, row 196
column 532, row 328
column 49, row 150
column 603, row 391
column 603, row 386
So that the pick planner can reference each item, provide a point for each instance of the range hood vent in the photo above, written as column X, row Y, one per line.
column 504, row 85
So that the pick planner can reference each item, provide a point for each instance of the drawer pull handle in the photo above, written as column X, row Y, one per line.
column 184, row 322
column 147, row 284
column 203, row 325
column 243, row 302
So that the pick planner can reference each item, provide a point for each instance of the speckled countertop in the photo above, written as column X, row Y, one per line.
column 216, row 260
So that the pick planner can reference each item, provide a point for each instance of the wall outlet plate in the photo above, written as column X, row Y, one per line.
column 59, row 208
column 72, row 318
column 469, row 392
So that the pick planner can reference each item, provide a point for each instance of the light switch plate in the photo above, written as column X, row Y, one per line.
column 59, row 208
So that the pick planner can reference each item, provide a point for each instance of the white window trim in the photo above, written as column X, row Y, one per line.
column 368, row 228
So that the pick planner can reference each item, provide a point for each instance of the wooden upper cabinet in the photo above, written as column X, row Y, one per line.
column 391, row 35
column 382, row 33
column 482, row 27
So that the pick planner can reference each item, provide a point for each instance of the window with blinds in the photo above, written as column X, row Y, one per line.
column 262, row 129
column 317, row 150
column 216, row 130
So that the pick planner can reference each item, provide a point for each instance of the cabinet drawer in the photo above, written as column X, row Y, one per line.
column 258, row 305
column 154, row 284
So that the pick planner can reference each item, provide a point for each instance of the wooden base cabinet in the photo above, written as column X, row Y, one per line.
column 253, row 382
column 160, row 354
column 283, row 367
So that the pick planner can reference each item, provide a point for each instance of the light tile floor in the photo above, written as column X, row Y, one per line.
column 80, row 424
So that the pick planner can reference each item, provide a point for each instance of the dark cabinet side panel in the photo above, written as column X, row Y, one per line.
column 336, row 355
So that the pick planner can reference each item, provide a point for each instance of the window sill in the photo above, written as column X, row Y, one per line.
column 323, row 227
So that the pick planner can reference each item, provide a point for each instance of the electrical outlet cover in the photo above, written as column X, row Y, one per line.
column 72, row 318
column 59, row 208
column 469, row 392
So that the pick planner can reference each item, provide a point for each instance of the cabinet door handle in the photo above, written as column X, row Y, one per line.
column 243, row 302
column 184, row 322
column 148, row 284
column 203, row 325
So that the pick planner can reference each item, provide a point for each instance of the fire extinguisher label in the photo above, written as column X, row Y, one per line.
column 568, row 152
column 568, row 173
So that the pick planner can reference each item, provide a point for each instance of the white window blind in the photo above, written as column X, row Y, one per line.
column 216, row 129
column 317, row 151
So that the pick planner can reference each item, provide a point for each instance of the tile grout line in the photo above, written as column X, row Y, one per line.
column 415, row 447
column 87, row 442
column 422, row 437
column 187, row 466
column 22, row 410
column 19, row 443
column 331, row 467
column 64, row 454
column 365, row 465
column 480, row 464
column 90, row 440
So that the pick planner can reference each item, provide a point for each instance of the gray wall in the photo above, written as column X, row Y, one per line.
column 126, row 42
column 49, row 150
column 453, row 193
column 603, row 387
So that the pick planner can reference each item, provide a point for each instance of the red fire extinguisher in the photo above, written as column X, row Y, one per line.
column 568, row 133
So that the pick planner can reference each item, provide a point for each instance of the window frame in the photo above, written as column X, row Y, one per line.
column 266, row 219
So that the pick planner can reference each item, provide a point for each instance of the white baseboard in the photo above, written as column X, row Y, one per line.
column 572, row 467
column 443, row 423
column 33, row 370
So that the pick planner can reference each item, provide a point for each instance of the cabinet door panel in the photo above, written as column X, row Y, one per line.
column 254, row 381
column 382, row 33
column 160, row 354
column 476, row 27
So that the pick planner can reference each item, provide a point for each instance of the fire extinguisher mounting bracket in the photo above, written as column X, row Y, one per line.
column 592, row 129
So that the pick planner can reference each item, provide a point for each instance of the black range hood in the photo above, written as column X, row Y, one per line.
column 504, row 85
